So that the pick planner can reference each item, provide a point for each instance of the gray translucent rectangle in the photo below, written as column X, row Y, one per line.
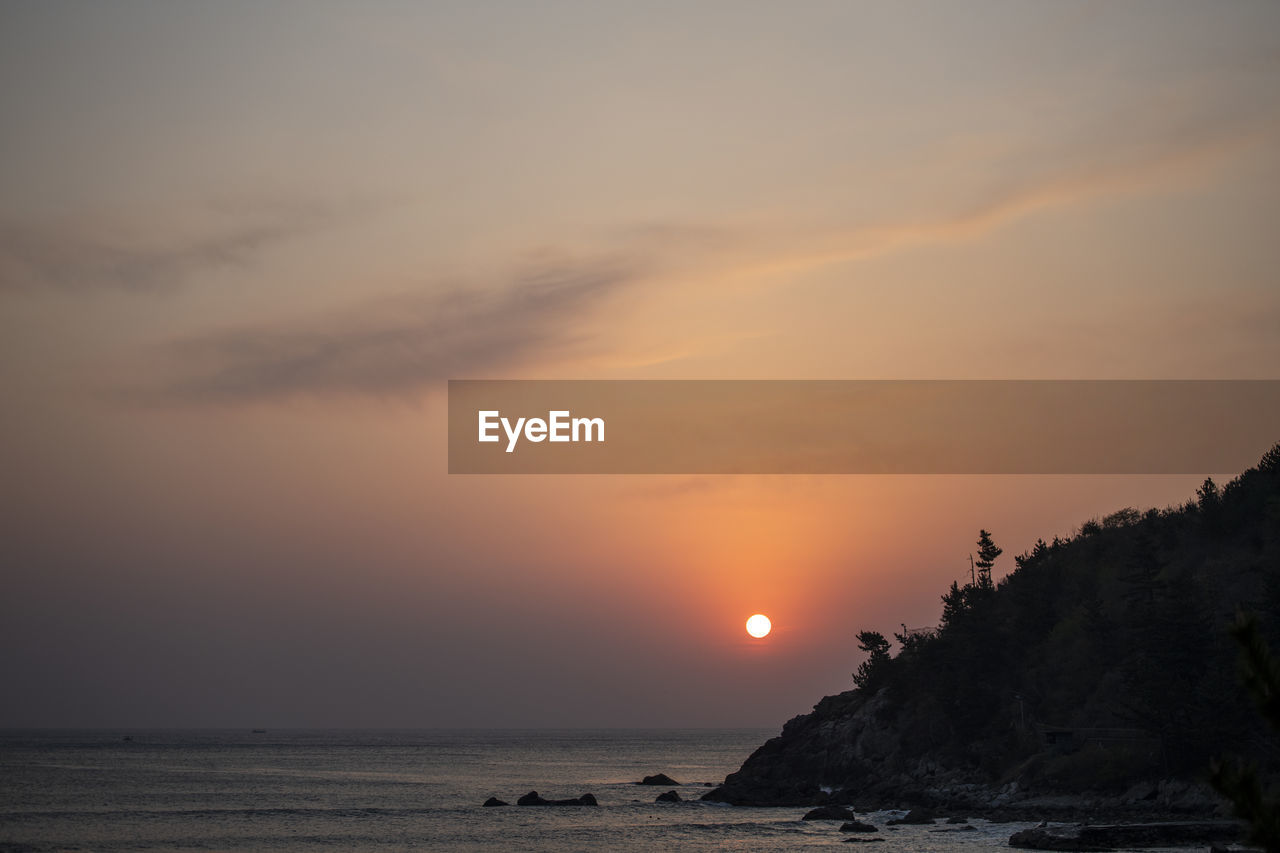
column 869, row 426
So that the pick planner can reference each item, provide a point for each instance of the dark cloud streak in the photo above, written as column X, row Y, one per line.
column 74, row 259
column 392, row 347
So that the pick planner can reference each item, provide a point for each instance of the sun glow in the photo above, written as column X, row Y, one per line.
column 759, row 625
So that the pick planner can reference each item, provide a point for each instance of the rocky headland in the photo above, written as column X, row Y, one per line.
column 1097, row 681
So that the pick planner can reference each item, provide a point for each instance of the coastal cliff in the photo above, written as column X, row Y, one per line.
column 1096, row 676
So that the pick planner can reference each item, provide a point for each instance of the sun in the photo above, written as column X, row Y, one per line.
column 759, row 626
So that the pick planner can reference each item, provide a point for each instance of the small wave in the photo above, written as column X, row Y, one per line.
column 161, row 814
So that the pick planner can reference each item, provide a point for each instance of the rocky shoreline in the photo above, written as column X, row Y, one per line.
column 1117, row 836
column 1154, row 815
column 849, row 752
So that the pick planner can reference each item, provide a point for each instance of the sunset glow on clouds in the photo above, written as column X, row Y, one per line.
column 243, row 247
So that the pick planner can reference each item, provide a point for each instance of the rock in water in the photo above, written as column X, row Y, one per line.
column 668, row 797
column 658, row 779
column 1042, row 839
column 1111, row 837
column 914, row 817
column 857, row 826
column 494, row 801
column 830, row 813
column 533, row 798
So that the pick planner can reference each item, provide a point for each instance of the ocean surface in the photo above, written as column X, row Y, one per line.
column 401, row 790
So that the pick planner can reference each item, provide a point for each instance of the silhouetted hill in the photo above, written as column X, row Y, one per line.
column 1100, row 666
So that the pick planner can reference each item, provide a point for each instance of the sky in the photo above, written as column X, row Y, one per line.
column 243, row 247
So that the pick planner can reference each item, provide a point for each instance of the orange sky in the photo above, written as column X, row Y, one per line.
column 243, row 248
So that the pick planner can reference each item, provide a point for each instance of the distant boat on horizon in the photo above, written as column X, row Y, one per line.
column 259, row 731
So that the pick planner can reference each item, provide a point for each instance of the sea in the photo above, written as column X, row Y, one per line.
column 405, row 790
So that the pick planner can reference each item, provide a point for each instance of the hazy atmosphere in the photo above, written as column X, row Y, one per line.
column 244, row 246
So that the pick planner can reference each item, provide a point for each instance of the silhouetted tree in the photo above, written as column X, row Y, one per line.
column 987, row 553
column 1209, row 500
column 1208, row 495
column 871, row 671
column 909, row 642
column 1270, row 463
column 1029, row 558
column 1126, row 517
column 954, row 604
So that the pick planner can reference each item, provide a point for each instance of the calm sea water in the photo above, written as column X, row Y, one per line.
column 410, row 790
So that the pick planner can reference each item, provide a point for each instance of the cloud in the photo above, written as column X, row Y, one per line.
column 975, row 184
column 82, row 258
column 400, row 346
column 394, row 347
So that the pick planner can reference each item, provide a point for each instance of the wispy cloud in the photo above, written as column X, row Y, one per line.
column 972, row 187
column 1148, row 152
column 393, row 347
column 399, row 346
column 80, row 257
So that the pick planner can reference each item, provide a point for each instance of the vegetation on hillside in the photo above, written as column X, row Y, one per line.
column 1112, row 644
column 1239, row 780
